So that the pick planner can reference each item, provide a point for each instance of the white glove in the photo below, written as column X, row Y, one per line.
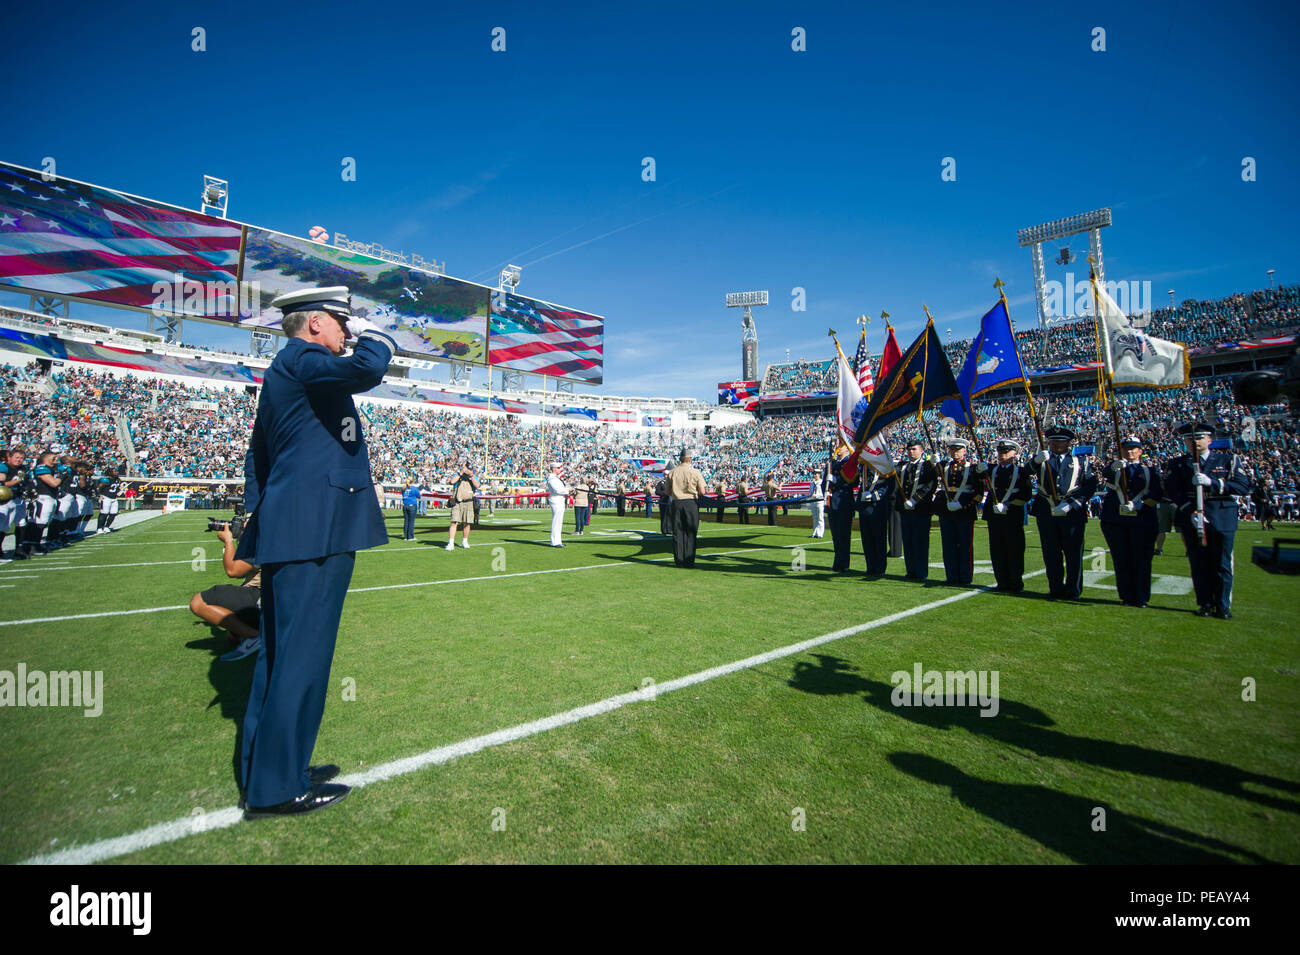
column 910, row 504
column 999, row 508
column 1061, row 509
column 1128, row 507
column 1040, row 457
column 1202, row 479
column 982, row 468
column 954, row 505
column 357, row 325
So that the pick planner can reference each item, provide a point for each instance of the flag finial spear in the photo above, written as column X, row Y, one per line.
column 998, row 283
column 831, row 333
column 864, row 321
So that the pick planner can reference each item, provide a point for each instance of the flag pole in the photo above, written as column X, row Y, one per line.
column 979, row 452
column 1015, row 342
column 1108, row 375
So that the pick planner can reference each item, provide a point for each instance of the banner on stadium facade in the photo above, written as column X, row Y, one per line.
column 164, row 486
column 656, row 421
column 203, row 405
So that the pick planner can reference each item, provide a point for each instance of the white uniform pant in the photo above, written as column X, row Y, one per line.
column 557, row 518
column 13, row 514
column 819, row 517
column 107, row 505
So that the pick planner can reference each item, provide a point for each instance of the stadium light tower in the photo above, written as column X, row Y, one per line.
column 1270, row 279
column 1034, row 237
column 748, row 331
column 216, row 196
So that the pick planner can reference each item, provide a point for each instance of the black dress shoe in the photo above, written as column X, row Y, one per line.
column 1204, row 612
column 322, row 774
column 1223, row 614
column 318, row 796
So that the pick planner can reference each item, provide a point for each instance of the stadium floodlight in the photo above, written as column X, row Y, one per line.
column 1270, row 278
column 216, row 196
column 1064, row 228
column 1034, row 237
column 748, row 330
column 509, row 277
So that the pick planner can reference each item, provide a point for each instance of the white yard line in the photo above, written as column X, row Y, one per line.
column 225, row 818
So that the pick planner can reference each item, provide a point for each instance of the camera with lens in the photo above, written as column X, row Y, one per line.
column 236, row 525
column 1270, row 386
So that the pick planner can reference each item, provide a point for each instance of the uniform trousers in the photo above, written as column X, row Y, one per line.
column 1212, row 566
column 1062, row 541
column 1007, row 549
column 916, row 543
column 958, row 539
column 301, row 606
column 1132, row 544
column 873, row 528
column 686, row 524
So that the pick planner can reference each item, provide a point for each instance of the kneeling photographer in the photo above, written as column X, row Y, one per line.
column 236, row 608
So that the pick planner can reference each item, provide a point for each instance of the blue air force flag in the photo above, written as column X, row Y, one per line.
column 991, row 363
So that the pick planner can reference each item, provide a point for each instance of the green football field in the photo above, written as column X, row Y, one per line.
column 517, row 703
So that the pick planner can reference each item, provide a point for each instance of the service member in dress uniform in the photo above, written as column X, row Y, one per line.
column 772, row 493
column 1065, row 482
column 956, row 501
column 875, row 507
column 842, row 498
column 742, row 498
column 821, row 487
column 720, row 495
column 311, row 506
column 1202, row 485
column 685, row 485
column 1010, row 490
column 917, row 478
column 1128, row 520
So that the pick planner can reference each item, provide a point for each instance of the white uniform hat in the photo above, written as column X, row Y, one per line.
column 334, row 300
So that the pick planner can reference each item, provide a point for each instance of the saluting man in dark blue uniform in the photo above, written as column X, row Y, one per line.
column 1128, row 519
column 841, row 507
column 1218, row 476
column 311, row 505
column 1010, row 489
column 1064, row 485
column 875, row 505
column 960, row 490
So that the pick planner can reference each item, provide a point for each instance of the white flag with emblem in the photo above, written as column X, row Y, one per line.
column 1133, row 357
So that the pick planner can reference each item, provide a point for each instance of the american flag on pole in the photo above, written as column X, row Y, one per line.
column 67, row 238
column 862, row 362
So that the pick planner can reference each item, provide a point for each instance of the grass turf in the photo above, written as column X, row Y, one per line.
column 1138, row 712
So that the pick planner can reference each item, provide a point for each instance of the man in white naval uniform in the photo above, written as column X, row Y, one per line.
column 557, row 491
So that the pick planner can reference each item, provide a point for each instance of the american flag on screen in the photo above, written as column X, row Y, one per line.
column 542, row 339
column 862, row 362
column 67, row 238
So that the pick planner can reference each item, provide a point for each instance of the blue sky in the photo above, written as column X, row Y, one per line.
column 775, row 169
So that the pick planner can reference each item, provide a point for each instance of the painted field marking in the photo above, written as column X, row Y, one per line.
column 229, row 816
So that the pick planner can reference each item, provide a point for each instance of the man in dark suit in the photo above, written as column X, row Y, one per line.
column 1128, row 520
column 311, row 506
column 1203, row 485
column 1010, row 489
column 1065, row 482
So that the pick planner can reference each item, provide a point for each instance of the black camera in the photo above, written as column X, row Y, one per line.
column 1270, row 386
column 236, row 525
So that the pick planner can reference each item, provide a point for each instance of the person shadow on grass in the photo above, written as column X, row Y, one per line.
column 232, row 682
column 1029, row 728
column 1064, row 823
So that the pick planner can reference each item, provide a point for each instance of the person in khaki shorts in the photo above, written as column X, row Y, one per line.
column 462, row 505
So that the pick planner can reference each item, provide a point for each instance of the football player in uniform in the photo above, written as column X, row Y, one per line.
column 110, row 486
column 44, row 501
column 1202, row 485
column 85, row 503
column 13, row 509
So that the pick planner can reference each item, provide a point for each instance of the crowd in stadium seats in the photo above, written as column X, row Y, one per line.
column 799, row 375
column 1199, row 325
